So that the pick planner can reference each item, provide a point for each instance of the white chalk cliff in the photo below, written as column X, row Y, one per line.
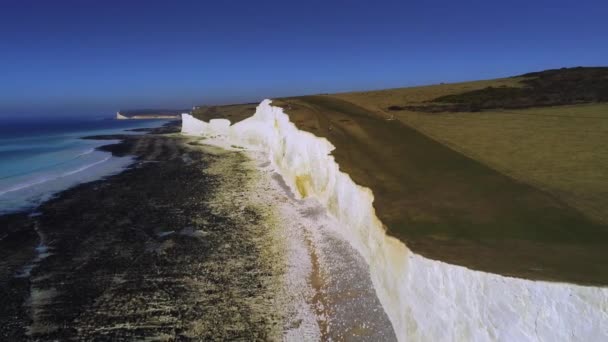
column 426, row 300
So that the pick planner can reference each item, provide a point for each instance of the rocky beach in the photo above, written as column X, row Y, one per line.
column 190, row 243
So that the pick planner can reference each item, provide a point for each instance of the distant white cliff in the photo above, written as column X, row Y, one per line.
column 120, row 116
column 144, row 116
column 426, row 300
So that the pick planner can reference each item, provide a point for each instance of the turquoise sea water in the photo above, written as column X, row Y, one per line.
column 40, row 157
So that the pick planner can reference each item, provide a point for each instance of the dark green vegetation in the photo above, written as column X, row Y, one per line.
column 564, row 86
column 154, row 111
column 146, row 112
column 449, row 207
column 140, row 256
column 231, row 112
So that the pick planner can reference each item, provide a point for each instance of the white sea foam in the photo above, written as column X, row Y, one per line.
column 47, row 178
column 85, row 167
column 89, row 151
column 425, row 299
column 30, row 190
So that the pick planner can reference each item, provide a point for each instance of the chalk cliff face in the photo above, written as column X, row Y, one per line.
column 424, row 299
column 120, row 116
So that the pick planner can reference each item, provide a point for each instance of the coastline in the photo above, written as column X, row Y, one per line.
column 145, row 234
column 190, row 242
column 300, row 230
column 39, row 160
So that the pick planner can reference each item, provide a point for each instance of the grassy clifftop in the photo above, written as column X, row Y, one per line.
column 521, row 192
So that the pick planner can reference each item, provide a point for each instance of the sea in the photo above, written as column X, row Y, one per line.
column 40, row 157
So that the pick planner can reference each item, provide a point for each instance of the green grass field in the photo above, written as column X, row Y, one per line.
column 519, row 193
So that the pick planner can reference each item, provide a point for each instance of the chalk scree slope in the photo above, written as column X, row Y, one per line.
column 426, row 300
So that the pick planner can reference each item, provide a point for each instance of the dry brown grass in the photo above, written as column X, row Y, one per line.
column 453, row 208
column 234, row 113
column 561, row 149
column 379, row 100
column 520, row 193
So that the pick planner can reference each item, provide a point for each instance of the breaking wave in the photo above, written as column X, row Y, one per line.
column 45, row 179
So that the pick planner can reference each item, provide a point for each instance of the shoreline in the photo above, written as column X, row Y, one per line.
column 24, row 192
column 107, row 227
column 189, row 242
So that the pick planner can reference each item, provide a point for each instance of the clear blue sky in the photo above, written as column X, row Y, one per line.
column 99, row 56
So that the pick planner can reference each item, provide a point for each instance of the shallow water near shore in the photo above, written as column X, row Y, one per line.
column 39, row 158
